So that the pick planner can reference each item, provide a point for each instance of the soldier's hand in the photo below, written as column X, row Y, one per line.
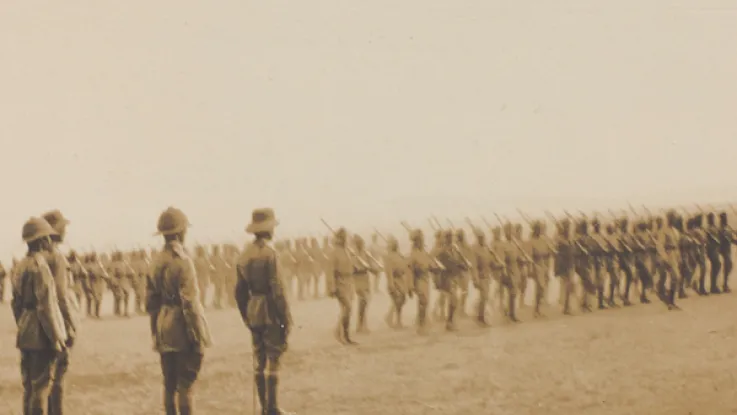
column 70, row 342
column 59, row 346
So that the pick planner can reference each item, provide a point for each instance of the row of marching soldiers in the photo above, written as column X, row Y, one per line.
column 608, row 264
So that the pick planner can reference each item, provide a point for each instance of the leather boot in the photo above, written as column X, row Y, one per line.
column 272, row 394
column 347, row 332
column 260, row 381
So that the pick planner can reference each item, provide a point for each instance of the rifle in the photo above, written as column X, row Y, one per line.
column 350, row 250
column 457, row 248
column 491, row 251
column 543, row 236
column 514, row 241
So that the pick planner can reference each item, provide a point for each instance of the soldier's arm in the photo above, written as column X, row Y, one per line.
column 47, row 303
column 242, row 291
column 189, row 296
column 283, row 313
column 153, row 298
column 16, row 303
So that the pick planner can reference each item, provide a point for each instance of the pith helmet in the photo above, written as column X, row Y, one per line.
column 416, row 235
column 262, row 220
column 37, row 228
column 55, row 219
column 172, row 221
column 341, row 234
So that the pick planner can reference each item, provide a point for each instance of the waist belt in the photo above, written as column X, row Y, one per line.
column 171, row 302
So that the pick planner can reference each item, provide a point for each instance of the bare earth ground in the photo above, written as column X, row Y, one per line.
column 640, row 360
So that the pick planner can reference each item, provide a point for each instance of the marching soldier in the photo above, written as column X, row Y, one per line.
column 726, row 239
column 583, row 245
column 565, row 262
column 61, row 271
column 42, row 335
column 421, row 264
column 700, row 239
column 712, row 252
column 454, row 264
column 179, row 329
column 442, row 299
column 121, row 275
column 541, row 252
column 264, row 308
column 483, row 260
column 362, row 281
column 304, row 268
column 523, row 264
column 667, row 243
column 499, row 273
column 398, row 282
column 642, row 252
column 466, row 276
column 339, row 280
column 599, row 253
column 610, row 263
column 97, row 276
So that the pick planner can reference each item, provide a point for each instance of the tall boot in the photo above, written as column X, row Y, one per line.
column 512, row 312
column 347, row 331
column 600, row 298
column 98, row 305
column 272, row 393
column 361, row 326
column 260, row 381
column 449, row 324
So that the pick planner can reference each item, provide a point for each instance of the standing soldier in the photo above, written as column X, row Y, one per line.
column 61, row 271
column 264, row 307
column 303, row 269
column 726, row 239
column 204, row 267
column 317, row 266
column 231, row 276
column 218, row 277
column 362, row 281
column 42, row 336
column 179, row 329
column 398, row 283
column 340, row 284
column 141, row 267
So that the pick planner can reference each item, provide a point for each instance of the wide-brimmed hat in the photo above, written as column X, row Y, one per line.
column 262, row 220
column 55, row 219
column 172, row 221
column 36, row 228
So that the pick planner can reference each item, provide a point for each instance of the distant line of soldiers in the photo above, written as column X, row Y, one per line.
column 664, row 255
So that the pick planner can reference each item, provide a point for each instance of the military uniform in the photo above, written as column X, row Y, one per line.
column 421, row 264
column 726, row 239
column 97, row 276
column 540, row 251
column 264, row 308
column 583, row 247
column 362, row 281
column 340, row 283
column 464, row 280
column 42, row 335
column 122, row 274
column 483, row 261
column 509, row 252
column 712, row 252
column 564, row 262
column 454, row 265
column 398, row 283
column 699, row 237
column 179, row 329
column 643, row 246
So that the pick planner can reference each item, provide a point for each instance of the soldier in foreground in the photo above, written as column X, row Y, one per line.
column 61, row 271
column 41, row 333
column 179, row 330
column 397, row 282
column 263, row 305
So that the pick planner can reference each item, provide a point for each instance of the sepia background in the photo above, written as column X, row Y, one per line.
column 361, row 113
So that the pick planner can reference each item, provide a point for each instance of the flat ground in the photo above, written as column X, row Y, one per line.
column 641, row 360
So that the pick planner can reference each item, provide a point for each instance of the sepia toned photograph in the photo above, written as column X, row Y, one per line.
column 477, row 207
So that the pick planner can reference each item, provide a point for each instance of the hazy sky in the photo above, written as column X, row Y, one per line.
column 360, row 112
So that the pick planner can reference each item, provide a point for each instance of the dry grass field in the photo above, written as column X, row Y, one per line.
column 641, row 360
